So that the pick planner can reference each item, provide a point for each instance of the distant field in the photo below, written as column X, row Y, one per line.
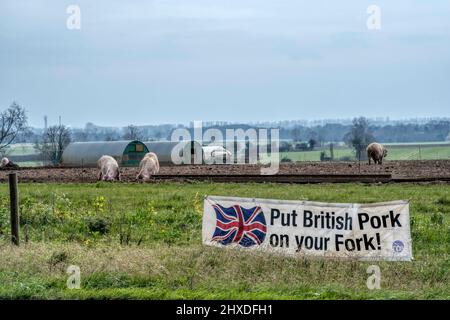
column 407, row 151
column 143, row 241
column 21, row 149
column 395, row 152
column 24, row 154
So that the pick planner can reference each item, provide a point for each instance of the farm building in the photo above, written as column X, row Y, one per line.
column 191, row 151
column 127, row 153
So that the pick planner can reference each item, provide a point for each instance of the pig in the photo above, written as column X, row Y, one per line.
column 377, row 152
column 149, row 166
column 108, row 168
column 7, row 164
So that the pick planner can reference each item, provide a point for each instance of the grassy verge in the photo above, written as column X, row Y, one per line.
column 144, row 242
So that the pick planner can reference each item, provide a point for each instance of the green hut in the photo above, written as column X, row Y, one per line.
column 86, row 154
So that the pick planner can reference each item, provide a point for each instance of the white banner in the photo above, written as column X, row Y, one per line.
column 377, row 231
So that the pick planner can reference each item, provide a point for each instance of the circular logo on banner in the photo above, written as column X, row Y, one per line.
column 398, row 246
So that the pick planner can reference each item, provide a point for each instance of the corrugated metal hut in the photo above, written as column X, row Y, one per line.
column 127, row 153
column 163, row 149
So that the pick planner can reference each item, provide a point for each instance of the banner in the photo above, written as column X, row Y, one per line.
column 377, row 231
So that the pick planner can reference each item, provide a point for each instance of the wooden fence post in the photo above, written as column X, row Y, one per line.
column 14, row 207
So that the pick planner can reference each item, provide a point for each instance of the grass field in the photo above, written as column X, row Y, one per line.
column 144, row 241
column 20, row 149
column 395, row 152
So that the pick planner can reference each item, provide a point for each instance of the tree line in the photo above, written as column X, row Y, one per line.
column 51, row 141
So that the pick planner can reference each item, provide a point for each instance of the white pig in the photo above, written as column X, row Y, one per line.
column 108, row 169
column 149, row 166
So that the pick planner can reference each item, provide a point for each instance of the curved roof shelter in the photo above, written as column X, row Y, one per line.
column 127, row 153
column 189, row 152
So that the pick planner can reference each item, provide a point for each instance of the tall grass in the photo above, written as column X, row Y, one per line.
column 144, row 241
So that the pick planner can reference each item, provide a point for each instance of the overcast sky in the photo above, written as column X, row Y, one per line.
column 171, row 61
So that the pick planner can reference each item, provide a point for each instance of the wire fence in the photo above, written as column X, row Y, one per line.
column 339, row 152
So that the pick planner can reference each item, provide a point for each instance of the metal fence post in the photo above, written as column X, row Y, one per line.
column 359, row 161
column 14, row 207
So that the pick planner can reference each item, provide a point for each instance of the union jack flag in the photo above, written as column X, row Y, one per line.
column 237, row 224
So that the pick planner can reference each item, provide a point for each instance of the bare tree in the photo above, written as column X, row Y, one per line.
column 13, row 121
column 132, row 132
column 359, row 136
column 53, row 142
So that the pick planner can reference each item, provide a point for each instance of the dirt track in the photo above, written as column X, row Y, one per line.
column 398, row 169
